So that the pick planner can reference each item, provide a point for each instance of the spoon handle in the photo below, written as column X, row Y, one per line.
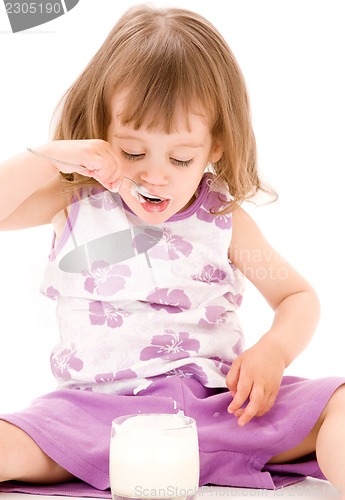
column 68, row 164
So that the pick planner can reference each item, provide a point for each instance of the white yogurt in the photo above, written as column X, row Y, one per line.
column 154, row 456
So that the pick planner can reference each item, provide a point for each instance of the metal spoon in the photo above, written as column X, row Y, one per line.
column 37, row 153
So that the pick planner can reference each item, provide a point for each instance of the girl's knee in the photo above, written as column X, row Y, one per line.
column 22, row 459
column 336, row 402
column 7, row 447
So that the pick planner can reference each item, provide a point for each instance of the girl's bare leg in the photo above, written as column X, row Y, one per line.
column 22, row 460
column 328, row 440
column 330, row 443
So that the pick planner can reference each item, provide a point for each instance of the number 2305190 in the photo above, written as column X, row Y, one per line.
column 33, row 8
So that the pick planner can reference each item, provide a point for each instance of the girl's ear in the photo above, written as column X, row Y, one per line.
column 216, row 152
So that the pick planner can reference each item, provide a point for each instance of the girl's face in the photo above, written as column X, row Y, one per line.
column 167, row 167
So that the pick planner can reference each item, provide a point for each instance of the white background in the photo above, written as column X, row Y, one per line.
column 292, row 56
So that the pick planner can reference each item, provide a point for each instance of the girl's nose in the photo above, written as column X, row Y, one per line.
column 154, row 175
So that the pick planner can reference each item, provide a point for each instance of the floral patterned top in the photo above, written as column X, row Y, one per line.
column 135, row 301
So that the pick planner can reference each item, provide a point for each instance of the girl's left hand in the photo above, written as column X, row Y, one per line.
column 256, row 374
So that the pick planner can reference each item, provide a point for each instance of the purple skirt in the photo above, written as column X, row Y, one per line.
column 73, row 428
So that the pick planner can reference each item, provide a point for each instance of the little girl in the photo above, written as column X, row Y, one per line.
column 152, row 157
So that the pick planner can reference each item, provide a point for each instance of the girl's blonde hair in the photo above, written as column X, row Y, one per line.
column 167, row 59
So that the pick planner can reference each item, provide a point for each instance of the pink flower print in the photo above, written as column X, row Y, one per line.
column 100, row 198
column 213, row 203
column 52, row 293
column 173, row 301
column 111, row 377
column 224, row 366
column 103, row 312
column 190, row 371
column 146, row 238
column 170, row 346
column 215, row 315
column 234, row 298
column 210, row 274
column 170, row 247
column 106, row 280
column 63, row 362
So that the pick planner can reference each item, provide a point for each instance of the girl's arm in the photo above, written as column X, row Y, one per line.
column 32, row 191
column 257, row 372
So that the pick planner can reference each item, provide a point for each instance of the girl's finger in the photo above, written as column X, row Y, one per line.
column 232, row 377
column 268, row 405
column 256, row 402
column 242, row 394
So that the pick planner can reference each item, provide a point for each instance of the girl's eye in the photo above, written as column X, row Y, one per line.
column 181, row 163
column 132, row 157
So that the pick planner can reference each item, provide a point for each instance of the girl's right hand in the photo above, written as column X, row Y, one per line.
column 91, row 158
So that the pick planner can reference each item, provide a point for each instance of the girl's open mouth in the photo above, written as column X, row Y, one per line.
column 149, row 202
